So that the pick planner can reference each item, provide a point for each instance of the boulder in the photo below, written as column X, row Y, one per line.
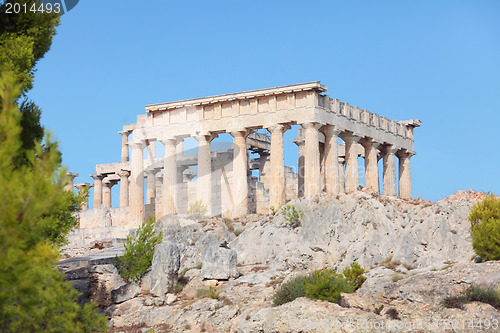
column 125, row 292
column 162, row 277
column 219, row 262
column 103, row 280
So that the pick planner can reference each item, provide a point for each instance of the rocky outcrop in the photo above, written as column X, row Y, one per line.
column 363, row 227
column 219, row 262
column 125, row 292
column 416, row 253
column 162, row 277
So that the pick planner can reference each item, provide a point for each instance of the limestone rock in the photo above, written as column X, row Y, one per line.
column 162, row 277
column 219, row 263
column 125, row 292
column 103, row 280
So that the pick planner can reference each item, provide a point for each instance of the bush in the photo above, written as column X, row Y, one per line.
column 208, row 292
column 326, row 285
column 473, row 294
column 290, row 290
column 354, row 274
column 197, row 208
column 291, row 215
column 323, row 284
column 139, row 251
column 485, row 227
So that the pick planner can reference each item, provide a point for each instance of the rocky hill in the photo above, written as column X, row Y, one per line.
column 415, row 252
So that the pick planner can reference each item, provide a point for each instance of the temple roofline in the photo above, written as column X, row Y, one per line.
column 315, row 85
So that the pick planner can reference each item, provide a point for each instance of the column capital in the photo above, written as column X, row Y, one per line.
column 330, row 130
column 278, row 128
column 207, row 137
column 388, row 149
column 127, row 132
column 137, row 145
column 109, row 182
column 169, row 141
column 311, row 125
column 72, row 174
column 124, row 173
column 240, row 133
column 368, row 142
column 97, row 176
column 80, row 186
column 403, row 153
column 349, row 136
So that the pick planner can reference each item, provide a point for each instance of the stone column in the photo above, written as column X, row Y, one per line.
column 312, row 173
column 124, row 187
column 371, row 164
column 151, row 186
column 82, row 187
column 204, row 177
column 342, row 174
column 70, row 176
column 136, row 201
column 404, row 174
column 124, row 145
column 301, row 166
column 150, row 174
column 389, row 175
column 106, row 193
column 332, row 180
column 277, row 189
column 169, row 177
column 351, row 160
column 240, row 180
column 97, row 190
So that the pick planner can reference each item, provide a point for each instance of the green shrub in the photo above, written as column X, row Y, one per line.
column 291, row 215
column 208, row 292
column 485, row 227
column 290, row 290
column 473, row 294
column 273, row 210
column 326, row 285
column 354, row 274
column 182, row 280
column 323, row 284
column 197, row 208
column 139, row 251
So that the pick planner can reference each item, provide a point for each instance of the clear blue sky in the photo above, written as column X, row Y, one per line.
column 438, row 61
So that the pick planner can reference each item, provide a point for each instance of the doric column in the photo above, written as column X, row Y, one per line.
column 150, row 174
column 151, row 186
column 240, row 180
column 342, row 174
column 168, row 192
column 404, row 174
column 70, row 176
column 389, row 178
column 300, row 164
column 124, row 145
column 82, row 187
column 277, row 189
column 136, row 201
column 371, row 164
column 106, row 193
column 204, row 177
column 312, row 175
column 351, row 161
column 124, row 174
column 331, row 167
column 97, row 190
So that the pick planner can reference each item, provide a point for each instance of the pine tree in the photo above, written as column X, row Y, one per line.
column 33, row 295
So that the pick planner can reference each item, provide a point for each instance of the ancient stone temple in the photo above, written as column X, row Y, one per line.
column 332, row 136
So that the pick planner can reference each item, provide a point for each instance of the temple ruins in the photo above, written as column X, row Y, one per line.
column 222, row 181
